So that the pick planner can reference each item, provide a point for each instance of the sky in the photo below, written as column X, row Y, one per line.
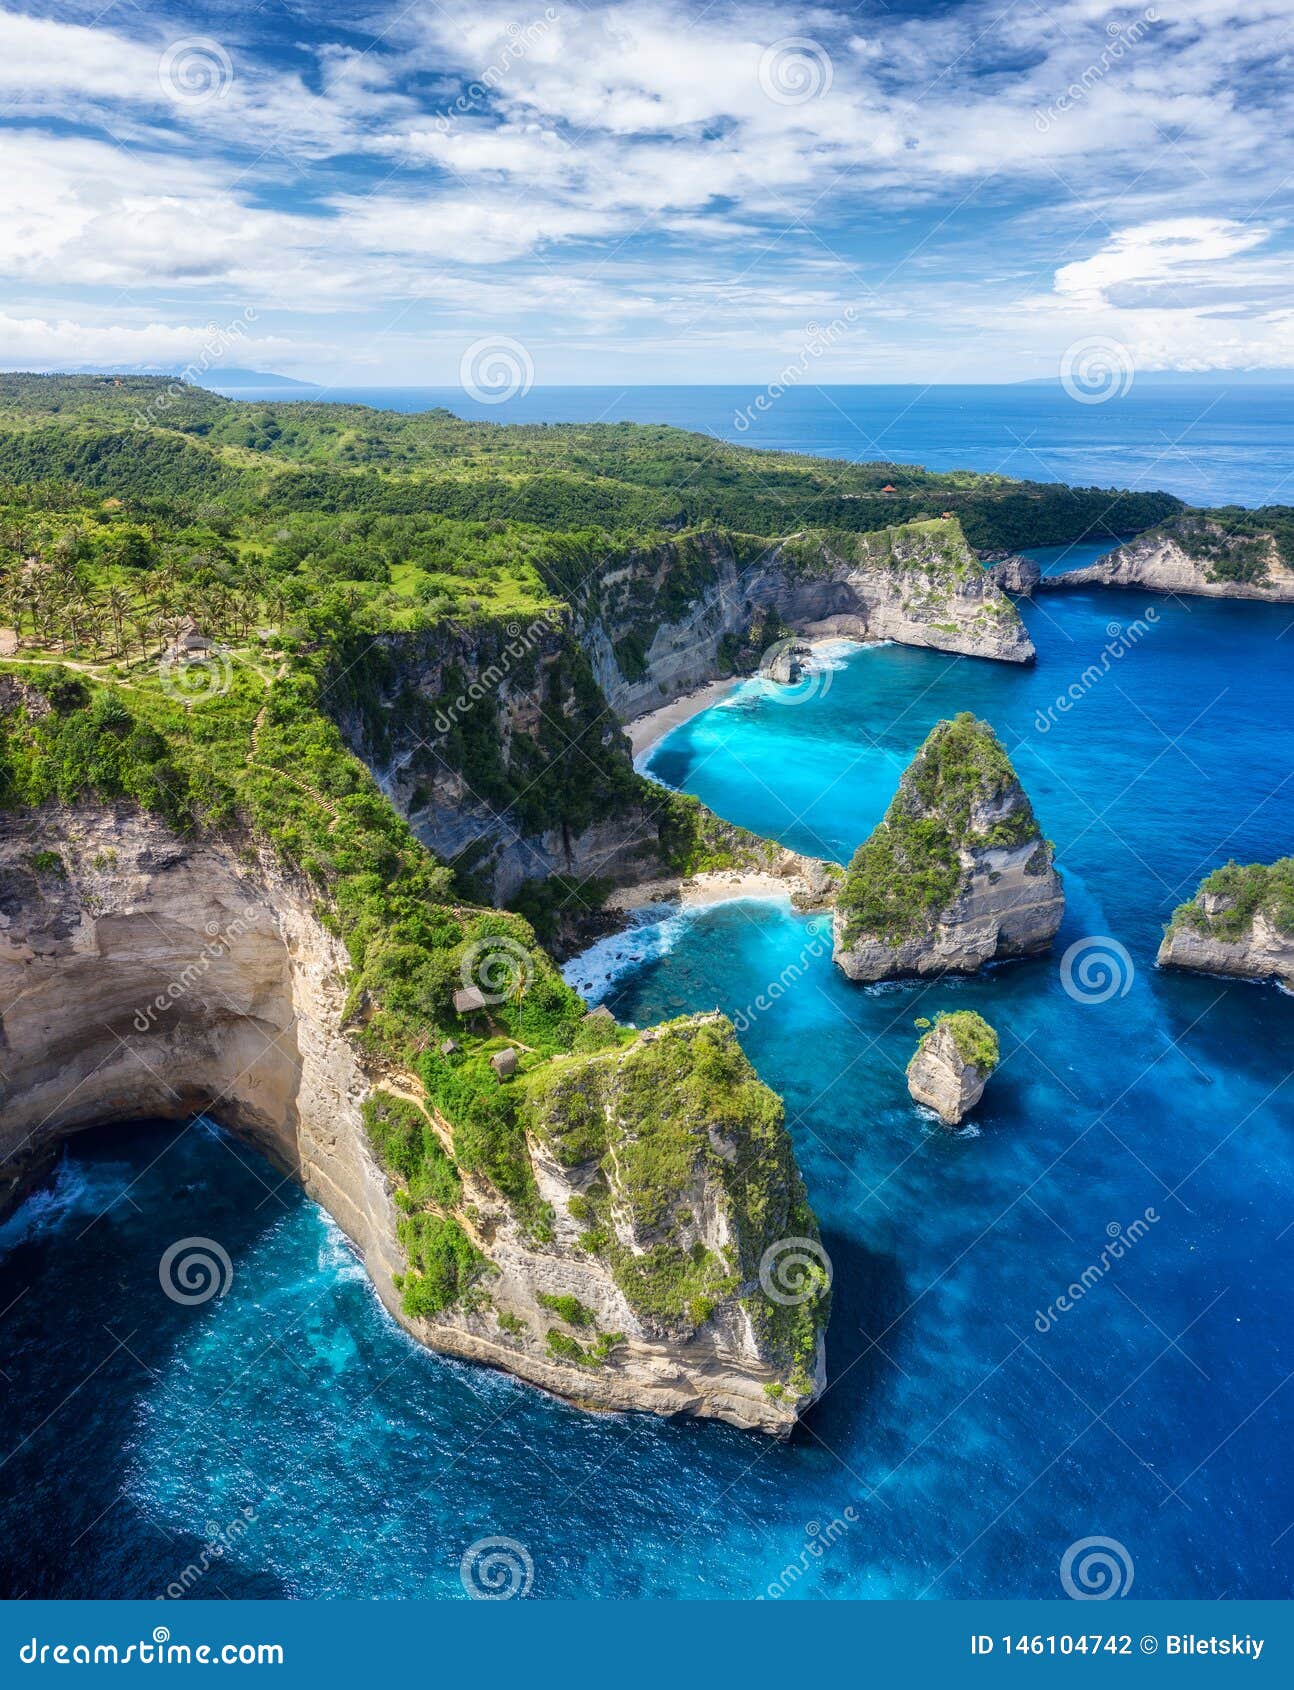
column 440, row 193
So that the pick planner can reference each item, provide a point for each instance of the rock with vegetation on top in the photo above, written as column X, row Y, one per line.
column 952, row 1064
column 956, row 875
column 1224, row 554
column 669, row 1170
column 1240, row 922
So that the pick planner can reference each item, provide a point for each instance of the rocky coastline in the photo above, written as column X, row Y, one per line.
column 145, row 974
column 1198, row 558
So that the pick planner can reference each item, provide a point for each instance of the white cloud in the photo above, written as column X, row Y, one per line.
column 581, row 166
column 1175, row 255
column 38, row 343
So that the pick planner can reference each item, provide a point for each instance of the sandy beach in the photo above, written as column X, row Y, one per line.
column 644, row 731
column 718, row 886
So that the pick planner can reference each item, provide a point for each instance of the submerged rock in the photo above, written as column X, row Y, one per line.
column 1240, row 922
column 952, row 1064
column 956, row 875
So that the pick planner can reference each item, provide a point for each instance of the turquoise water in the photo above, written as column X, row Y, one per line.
column 290, row 1426
column 1210, row 444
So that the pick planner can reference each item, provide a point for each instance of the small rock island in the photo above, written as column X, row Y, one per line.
column 952, row 1064
column 956, row 875
column 1240, row 922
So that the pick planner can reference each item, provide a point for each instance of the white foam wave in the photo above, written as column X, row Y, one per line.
column 654, row 933
column 76, row 1190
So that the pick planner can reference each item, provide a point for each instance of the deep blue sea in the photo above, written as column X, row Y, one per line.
column 968, row 1437
column 1210, row 445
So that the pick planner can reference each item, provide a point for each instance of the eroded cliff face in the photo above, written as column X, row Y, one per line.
column 497, row 746
column 146, row 975
column 502, row 743
column 1202, row 561
column 920, row 584
column 1008, row 903
column 943, row 1078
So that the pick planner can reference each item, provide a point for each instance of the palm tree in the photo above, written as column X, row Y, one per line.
column 118, row 606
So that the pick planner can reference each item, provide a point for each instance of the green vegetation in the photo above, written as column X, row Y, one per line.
column 407, row 1145
column 679, row 1105
column 562, row 1347
column 223, row 613
column 909, row 869
column 1228, row 900
column 975, row 1041
column 571, row 1309
column 137, row 441
column 443, row 1260
column 1234, row 542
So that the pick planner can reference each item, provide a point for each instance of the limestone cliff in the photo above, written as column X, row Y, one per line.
column 1014, row 574
column 143, row 973
column 497, row 746
column 1240, row 922
column 660, row 623
column 952, row 1064
column 956, row 875
column 1196, row 556
column 502, row 743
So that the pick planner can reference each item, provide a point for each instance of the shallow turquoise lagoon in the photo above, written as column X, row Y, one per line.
column 969, row 1436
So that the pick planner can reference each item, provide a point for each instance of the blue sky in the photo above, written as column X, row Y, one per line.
column 649, row 191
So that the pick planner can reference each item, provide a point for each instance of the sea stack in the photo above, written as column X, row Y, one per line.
column 952, row 1064
column 1240, row 922
column 956, row 875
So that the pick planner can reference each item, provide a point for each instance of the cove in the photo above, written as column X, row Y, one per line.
column 971, row 1447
